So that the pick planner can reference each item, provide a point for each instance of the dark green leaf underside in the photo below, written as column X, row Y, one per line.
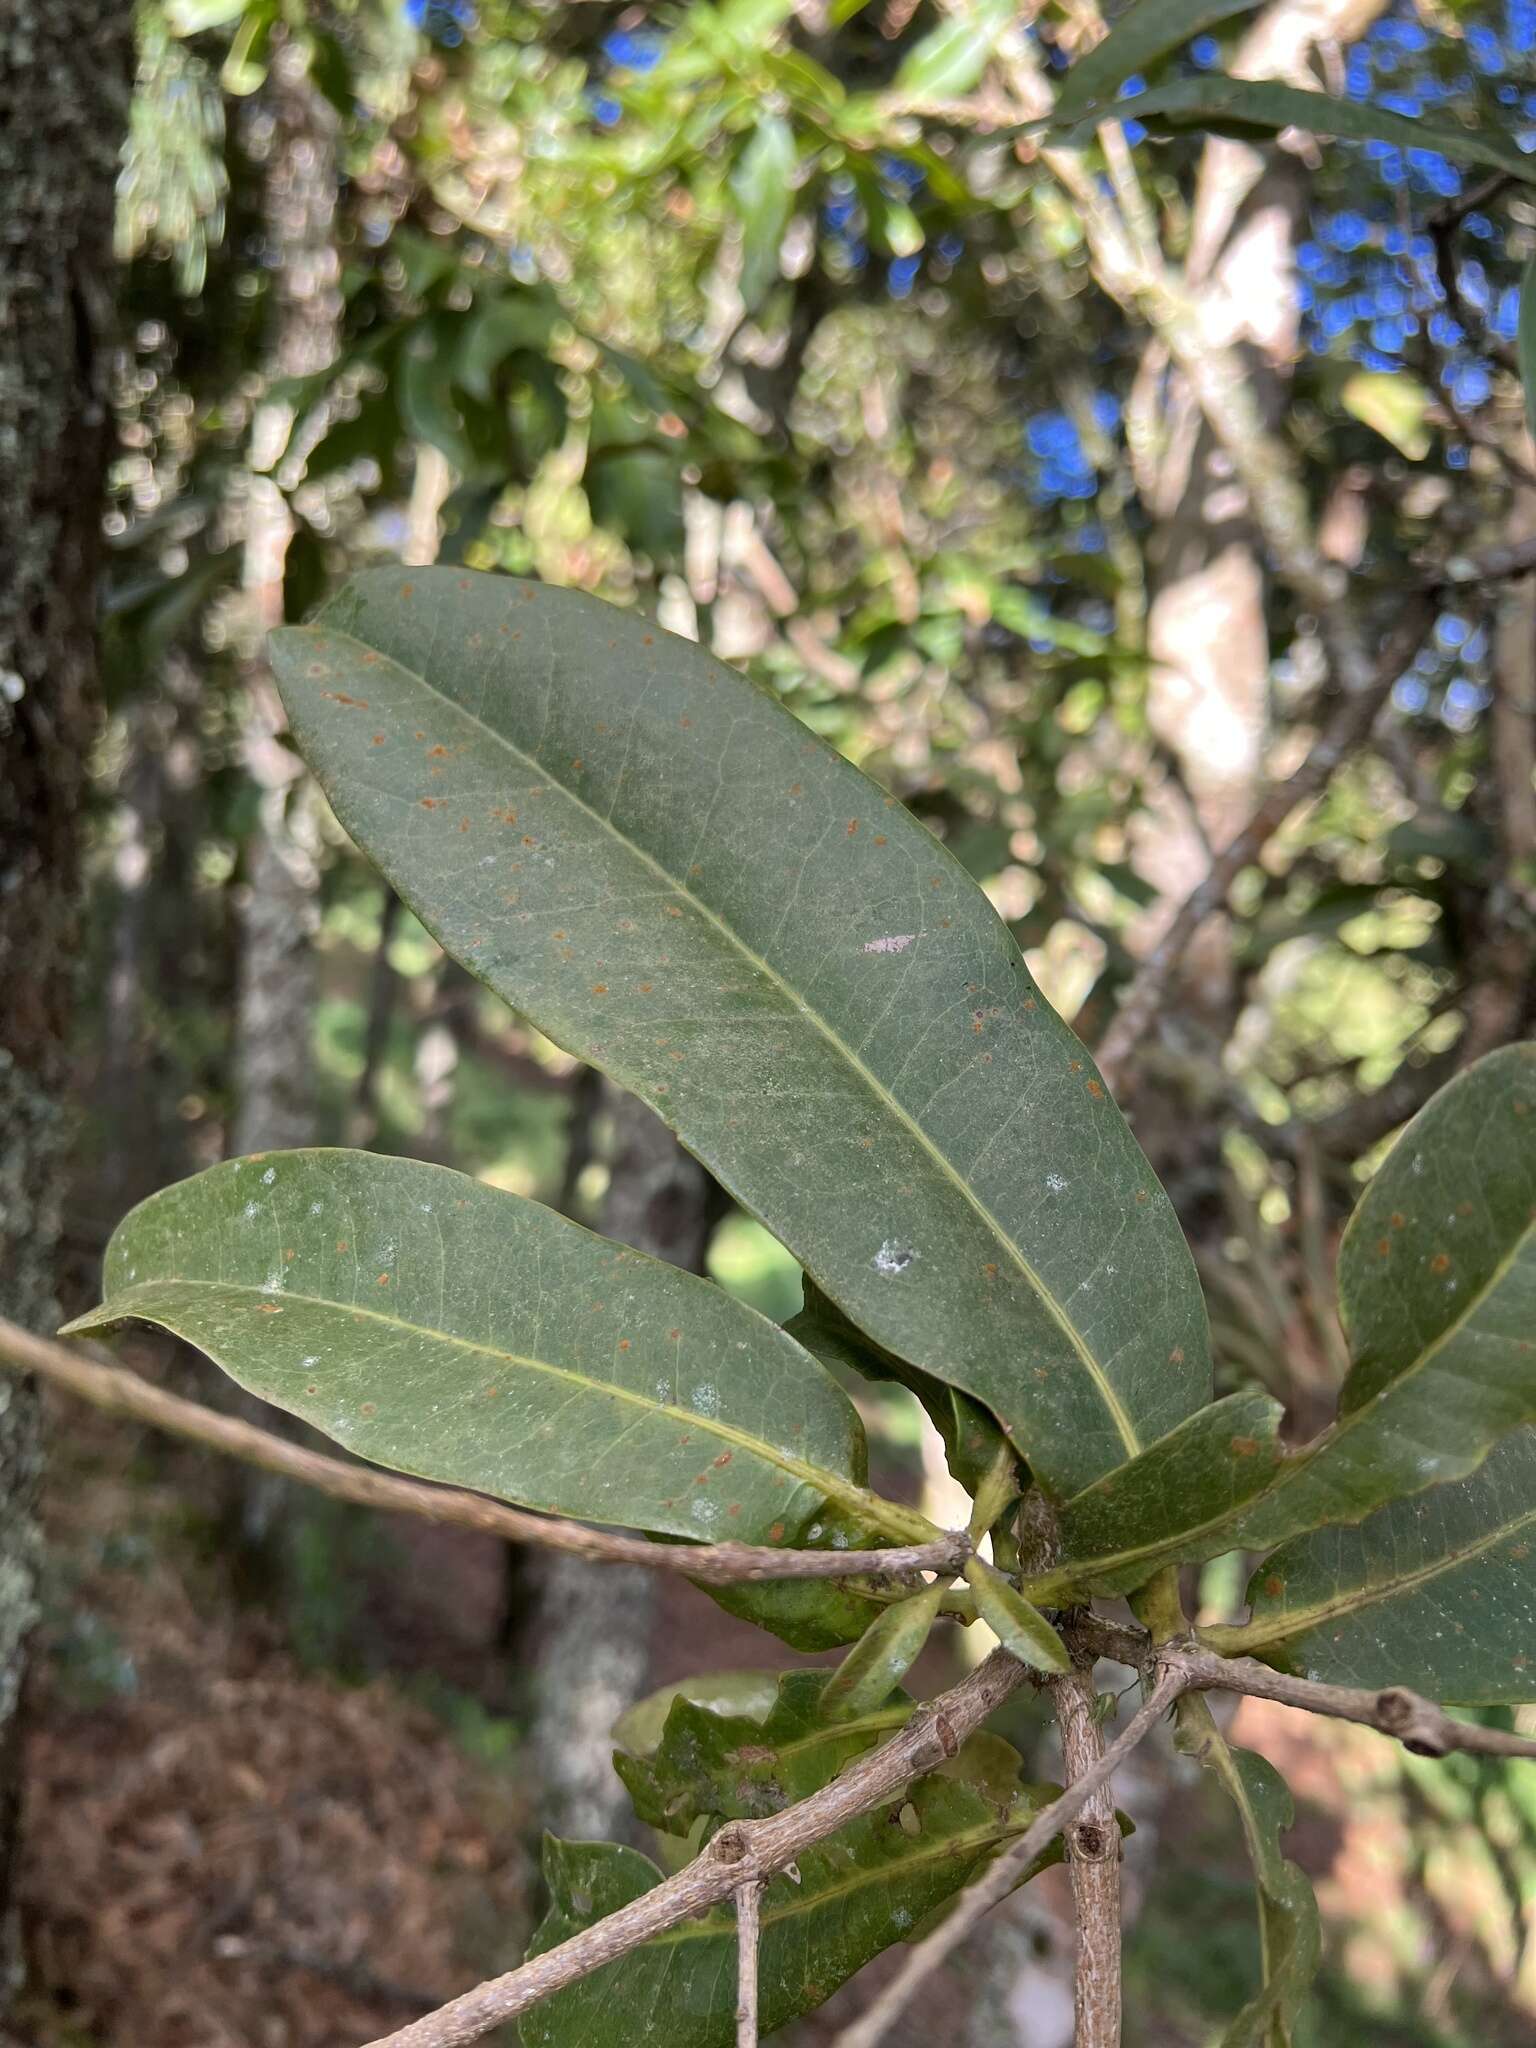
column 449, row 1329
column 655, row 862
column 1437, row 1593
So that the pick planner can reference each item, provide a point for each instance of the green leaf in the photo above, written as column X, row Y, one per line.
column 882, row 1656
column 191, row 17
column 1290, row 1939
column 1437, row 1285
column 1022, row 1629
column 1147, row 31
column 747, row 1696
column 1526, row 341
column 858, row 1892
column 1392, row 404
column 763, row 182
column 1437, row 1593
column 446, row 1328
column 950, row 60
column 811, row 1614
column 668, row 874
column 745, row 1760
column 1115, row 1534
column 496, row 329
column 1266, row 107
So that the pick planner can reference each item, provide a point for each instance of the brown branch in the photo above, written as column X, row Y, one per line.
column 1417, row 1723
column 748, row 1916
column 1000, row 1876
column 1093, row 1857
column 749, row 1852
column 1509, row 558
column 1349, row 726
column 117, row 1392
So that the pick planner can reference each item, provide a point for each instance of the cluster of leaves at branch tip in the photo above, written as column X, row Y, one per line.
column 654, row 862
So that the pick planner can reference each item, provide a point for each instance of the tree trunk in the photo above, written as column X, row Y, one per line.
column 293, row 135
column 591, row 1629
column 64, row 74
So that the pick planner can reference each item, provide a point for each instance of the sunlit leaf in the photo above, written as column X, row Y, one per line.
column 763, row 183
column 446, row 1328
column 657, row 864
column 951, row 58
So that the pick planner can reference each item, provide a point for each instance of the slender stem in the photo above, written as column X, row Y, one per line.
column 1093, row 1858
column 1419, row 1724
column 118, row 1392
column 1000, row 1876
column 748, row 1917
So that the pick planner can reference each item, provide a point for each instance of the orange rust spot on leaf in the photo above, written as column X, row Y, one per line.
column 685, row 721
column 378, row 739
column 1176, row 1355
column 599, row 988
column 383, row 1280
column 367, row 1408
column 1244, row 1446
column 431, row 803
column 1383, row 1247
column 407, row 590
column 1095, row 1090
column 341, row 697
column 853, row 826
column 646, row 987
column 880, row 839
column 1030, row 1003
column 776, row 1533
column 1397, row 1219
column 1274, row 1586
column 725, row 1458
column 342, row 1245
column 1440, row 1263
column 289, row 1257
column 623, row 1343
column 648, row 639
column 437, row 753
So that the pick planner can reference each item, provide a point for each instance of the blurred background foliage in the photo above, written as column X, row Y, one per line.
column 765, row 319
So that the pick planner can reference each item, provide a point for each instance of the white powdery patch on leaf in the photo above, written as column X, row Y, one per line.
column 898, row 942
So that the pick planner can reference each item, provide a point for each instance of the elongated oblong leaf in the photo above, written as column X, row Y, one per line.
column 1437, row 1291
column 763, row 183
column 1264, row 105
column 449, row 1329
column 655, row 862
column 882, row 1656
column 1021, row 1629
column 1149, row 30
column 861, row 1890
column 1437, row 1593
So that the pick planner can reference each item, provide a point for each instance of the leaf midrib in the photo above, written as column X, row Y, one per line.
column 829, row 1484
column 1299, row 1621
column 799, row 1005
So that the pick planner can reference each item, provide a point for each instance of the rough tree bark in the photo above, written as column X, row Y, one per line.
column 591, row 1630
column 64, row 78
